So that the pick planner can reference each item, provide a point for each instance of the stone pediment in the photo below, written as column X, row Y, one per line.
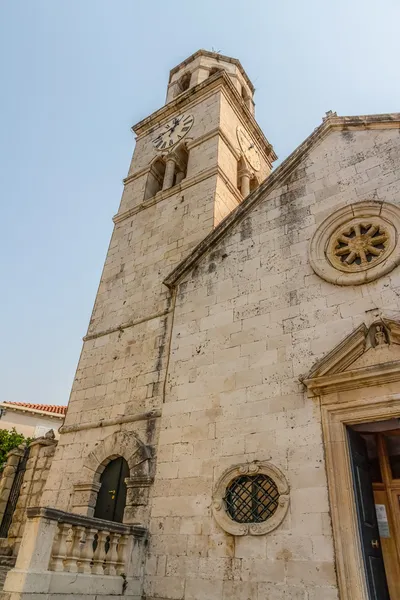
column 369, row 355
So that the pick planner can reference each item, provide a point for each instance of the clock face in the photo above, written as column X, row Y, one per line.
column 248, row 148
column 173, row 132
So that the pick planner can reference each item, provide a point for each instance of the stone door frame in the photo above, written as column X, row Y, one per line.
column 335, row 419
column 349, row 396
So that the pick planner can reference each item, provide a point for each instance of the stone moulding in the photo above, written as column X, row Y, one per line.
column 218, row 503
column 325, row 260
column 330, row 375
column 349, row 397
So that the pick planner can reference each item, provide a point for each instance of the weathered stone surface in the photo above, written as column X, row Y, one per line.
column 220, row 349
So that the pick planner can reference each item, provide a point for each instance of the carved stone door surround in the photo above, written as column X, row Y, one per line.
column 352, row 388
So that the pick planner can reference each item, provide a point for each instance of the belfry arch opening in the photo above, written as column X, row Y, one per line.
column 155, row 179
column 183, row 83
column 111, row 499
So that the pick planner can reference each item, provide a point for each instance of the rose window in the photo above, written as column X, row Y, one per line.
column 357, row 243
column 358, row 246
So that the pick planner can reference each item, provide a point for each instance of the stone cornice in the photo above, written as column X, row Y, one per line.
column 380, row 374
column 330, row 375
column 219, row 81
column 126, row 325
column 277, row 178
column 217, row 56
column 152, row 414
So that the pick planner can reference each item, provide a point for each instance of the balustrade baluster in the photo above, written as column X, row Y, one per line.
column 121, row 551
column 86, row 557
column 60, row 551
column 112, row 555
column 74, row 550
column 100, row 553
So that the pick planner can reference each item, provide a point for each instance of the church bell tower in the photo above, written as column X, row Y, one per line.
column 195, row 160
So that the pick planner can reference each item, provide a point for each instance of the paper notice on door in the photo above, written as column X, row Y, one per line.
column 383, row 524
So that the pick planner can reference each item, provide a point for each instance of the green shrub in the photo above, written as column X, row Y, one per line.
column 10, row 440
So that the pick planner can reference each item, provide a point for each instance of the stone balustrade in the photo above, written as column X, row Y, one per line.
column 78, row 555
column 89, row 545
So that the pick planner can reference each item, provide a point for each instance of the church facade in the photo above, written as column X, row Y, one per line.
column 233, row 429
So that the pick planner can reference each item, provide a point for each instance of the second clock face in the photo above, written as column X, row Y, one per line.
column 173, row 132
column 248, row 149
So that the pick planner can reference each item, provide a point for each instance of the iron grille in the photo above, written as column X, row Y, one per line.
column 14, row 494
column 251, row 498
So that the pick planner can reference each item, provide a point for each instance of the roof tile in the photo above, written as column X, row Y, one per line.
column 50, row 408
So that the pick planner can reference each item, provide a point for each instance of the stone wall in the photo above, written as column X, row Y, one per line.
column 41, row 453
column 251, row 319
column 122, row 367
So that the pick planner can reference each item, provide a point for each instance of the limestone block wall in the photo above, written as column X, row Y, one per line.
column 41, row 453
column 250, row 320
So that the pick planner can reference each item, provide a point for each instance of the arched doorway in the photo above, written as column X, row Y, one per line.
column 111, row 499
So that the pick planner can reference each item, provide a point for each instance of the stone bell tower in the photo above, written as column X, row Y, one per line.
column 195, row 160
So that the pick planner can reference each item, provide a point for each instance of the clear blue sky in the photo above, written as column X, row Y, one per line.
column 76, row 74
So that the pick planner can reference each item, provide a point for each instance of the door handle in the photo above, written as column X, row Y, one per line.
column 112, row 492
column 375, row 543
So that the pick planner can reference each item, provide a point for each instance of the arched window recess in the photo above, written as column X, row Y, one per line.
column 247, row 181
column 155, row 178
column 167, row 171
column 183, row 84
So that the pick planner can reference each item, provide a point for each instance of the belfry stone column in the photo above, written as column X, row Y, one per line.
column 169, row 174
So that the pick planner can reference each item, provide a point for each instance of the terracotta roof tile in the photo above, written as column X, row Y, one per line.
column 50, row 408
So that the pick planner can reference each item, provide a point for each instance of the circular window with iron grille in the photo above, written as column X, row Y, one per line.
column 251, row 499
column 357, row 243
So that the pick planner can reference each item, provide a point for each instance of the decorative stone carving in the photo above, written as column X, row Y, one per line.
column 223, row 518
column 357, row 243
column 380, row 336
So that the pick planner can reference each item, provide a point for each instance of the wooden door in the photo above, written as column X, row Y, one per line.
column 111, row 498
column 367, row 520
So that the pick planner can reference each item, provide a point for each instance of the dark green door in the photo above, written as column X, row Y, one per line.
column 111, row 498
column 367, row 521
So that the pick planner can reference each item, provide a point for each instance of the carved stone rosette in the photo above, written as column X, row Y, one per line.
column 357, row 243
column 218, row 504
